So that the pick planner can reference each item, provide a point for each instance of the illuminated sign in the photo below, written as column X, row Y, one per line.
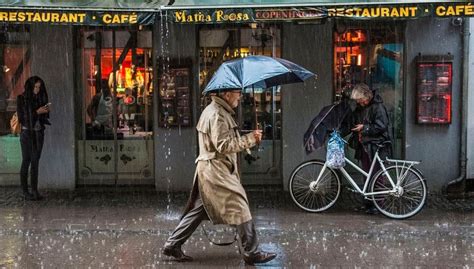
column 395, row 11
column 458, row 10
column 290, row 14
column 376, row 12
column 213, row 16
column 76, row 18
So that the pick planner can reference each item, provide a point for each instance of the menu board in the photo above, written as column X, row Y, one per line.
column 175, row 97
column 434, row 89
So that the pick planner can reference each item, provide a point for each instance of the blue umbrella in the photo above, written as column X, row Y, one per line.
column 256, row 71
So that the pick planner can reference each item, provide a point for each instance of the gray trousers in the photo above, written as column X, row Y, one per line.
column 247, row 237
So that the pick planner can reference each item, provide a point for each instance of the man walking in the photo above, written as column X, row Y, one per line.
column 217, row 193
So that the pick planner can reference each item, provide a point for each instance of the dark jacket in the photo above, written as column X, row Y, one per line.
column 26, row 109
column 377, row 129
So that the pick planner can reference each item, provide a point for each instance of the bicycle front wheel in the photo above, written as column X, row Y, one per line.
column 407, row 200
column 310, row 196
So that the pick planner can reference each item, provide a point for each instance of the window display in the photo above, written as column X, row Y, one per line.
column 130, row 86
column 350, row 59
column 115, row 145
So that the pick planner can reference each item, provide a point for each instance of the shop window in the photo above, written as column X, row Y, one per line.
column 434, row 86
column 14, row 71
column 350, row 59
column 220, row 44
column 372, row 53
column 130, row 87
column 259, row 108
column 115, row 145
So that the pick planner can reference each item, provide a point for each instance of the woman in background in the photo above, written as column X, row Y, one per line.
column 33, row 113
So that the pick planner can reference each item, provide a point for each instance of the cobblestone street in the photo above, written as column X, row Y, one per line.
column 117, row 228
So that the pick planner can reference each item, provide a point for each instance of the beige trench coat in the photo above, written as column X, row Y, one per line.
column 217, row 176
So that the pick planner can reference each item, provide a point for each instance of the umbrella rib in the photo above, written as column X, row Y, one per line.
column 316, row 126
column 257, row 71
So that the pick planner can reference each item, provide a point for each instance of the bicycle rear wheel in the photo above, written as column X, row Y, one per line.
column 309, row 196
column 408, row 199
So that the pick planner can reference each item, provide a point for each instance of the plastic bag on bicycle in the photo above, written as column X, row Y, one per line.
column 335, row 151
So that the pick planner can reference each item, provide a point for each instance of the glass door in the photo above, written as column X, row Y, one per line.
column 259, row 108
column 116, row 140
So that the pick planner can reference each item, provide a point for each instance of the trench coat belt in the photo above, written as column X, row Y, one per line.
column 210, row 156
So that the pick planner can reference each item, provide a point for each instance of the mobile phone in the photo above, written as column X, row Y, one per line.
column 47, row 105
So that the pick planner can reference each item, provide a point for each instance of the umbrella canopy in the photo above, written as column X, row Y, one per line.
column 256, row 71
column 329, row 118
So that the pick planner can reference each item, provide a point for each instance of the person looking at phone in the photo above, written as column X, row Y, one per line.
column 370, row 127
column 33, row 114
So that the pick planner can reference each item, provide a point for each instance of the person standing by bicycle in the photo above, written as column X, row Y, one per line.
column 370, row 126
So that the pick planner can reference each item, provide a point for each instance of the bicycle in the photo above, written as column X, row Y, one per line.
column 315, row 187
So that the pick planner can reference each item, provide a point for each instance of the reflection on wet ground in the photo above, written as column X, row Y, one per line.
column 117, row 229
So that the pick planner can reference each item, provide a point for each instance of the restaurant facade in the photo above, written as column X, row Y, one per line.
column 125, row 84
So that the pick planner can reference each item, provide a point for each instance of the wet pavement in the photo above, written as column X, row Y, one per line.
column 126, row 228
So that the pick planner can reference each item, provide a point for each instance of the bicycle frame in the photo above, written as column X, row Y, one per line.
column 363, row 191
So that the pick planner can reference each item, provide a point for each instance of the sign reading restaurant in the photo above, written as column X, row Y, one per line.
column 395, row 11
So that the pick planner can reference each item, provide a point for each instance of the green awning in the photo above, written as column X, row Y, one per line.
column 292, row 3
column 80, row 12
column 143, row 12
column 104, row 5
column 314, row 13
column 75, row 17
column 153, row 5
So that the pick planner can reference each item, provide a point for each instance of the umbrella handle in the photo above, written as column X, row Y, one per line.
column 256, row 117
column 255, row 108
column 249, row 152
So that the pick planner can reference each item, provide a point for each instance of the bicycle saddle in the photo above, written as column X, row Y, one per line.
column 383, row 144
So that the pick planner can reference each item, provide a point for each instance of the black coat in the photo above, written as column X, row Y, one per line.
column 26, row 109
column 377, row 129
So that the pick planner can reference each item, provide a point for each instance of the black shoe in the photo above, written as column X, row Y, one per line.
column 176, row 253
column 37, row 196
column 258, row 257
column 371, row 210
column 28, row 196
